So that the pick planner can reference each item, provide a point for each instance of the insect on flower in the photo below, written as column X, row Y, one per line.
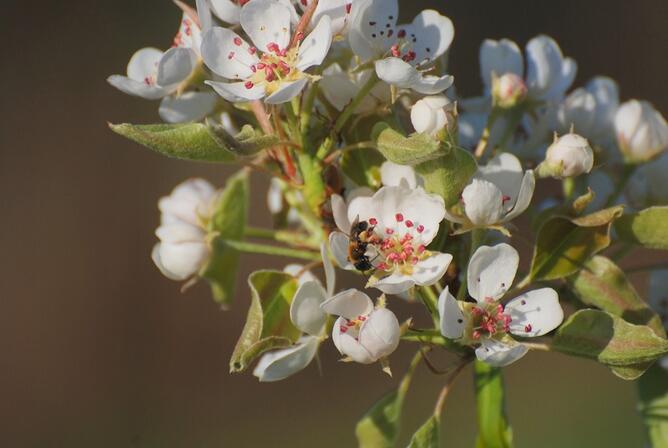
column 361, row 234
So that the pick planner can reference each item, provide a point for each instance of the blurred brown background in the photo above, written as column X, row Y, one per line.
column 99, row 350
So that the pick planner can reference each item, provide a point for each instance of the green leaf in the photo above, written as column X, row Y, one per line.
column 448, row 175
column 610, row 340
column 564, row 244
column 191, row 141
column 427, row 436
column 411, row 150
column 268, row 322
column 228, row 222
column 602, row 284
column 493, row 428
column 646, row 228
column 247, row 142
column 379, row 426
column 653, row 404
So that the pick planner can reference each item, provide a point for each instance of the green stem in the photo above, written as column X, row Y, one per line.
column 256, row 232
column 255, row 248
column 307, row 111
column 493, row 428
column 350, row 108
column 477, row 238
column 430, row 301
column 627, row 172
column 283, row 236
column 434, row 337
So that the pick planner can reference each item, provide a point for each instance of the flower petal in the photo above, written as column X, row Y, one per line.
column 340, row 212
column 191, row 106
column 226, row 10
column 430, row 35
column 491, row 271
column 337, row 87
column 395, row 283
column 430, row 270
column 137, row 88
column 505, row 171
column 431, row 85
column 305, row 311
column 392, row 174
column 369, row 19
column 266, row 22
column 204, row 13
column 535, row 313
column 176, row 65
column 237, row 92
column 452, row 317
column 287, row 91
column 498, row 354
column 223, row 56
column 499, row 57
column 280, row 364
column 483, row 202
column 397, row 72
column 349, row 304
column 380, row 333
column 144, row 63
column 178, row 261
column 338, row 244
column 524, row 196
column 544, row 66
column 351, row 347
column 315, row 46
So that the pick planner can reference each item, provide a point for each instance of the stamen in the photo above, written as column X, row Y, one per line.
column 527, row 328
column 399, row 217
column 237, row 41
column 248, row 84
column 349, row 6
column 373, row 221
column 420, row 228
column 409, row 223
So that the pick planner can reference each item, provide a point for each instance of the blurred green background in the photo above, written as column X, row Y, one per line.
column 99, row 350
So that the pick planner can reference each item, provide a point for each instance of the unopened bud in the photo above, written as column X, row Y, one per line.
column 642, row 132
column 570, row 155
column 429, row 114
column 508, row 90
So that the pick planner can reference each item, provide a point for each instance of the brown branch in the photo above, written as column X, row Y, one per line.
column 303, row 23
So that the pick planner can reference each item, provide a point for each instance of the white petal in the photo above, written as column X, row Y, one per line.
column 524, row 196
column 369, row 18
column 287, row 91
column 337, row 87
column 223, row 56
column 226, row 10
column 433, row 34
column 397, row 72
column 180, row 261
column 535, row 313
column 395, row 283
column 483, row 202
column 491, row 271
column 498, row 354
column 305, row 311
column 380, row 333
column 266, row 22
column 237, row 92
column 430, row 270
column 176, row 65
column 564, row 80
column 350, row 304
column 505, row 171
column 137, row 88
column 338, row 11
column 191, row 106
column 351, row 347
column 452, row 318
column 338, row 244
column 315, row 46
column 544, row 65
column 280, row 364
column 499, row 57
column 340, row 212
column 431, row 85
column 204, row 14
column 303, row 275
column 391, row 174
column 328, row 267
column 144, row 63
column 180, row 232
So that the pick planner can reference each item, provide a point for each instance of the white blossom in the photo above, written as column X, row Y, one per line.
column 362, row 333
column 340, row 87
column 183, row 249
column 642, row 132
column 647, row 186
column 270, row 68
column 487, row 323
column 338, row 11
column 402, row 221
column 403, row 54
column 498, row 193
column 568, row 156
column 307, row 316
column 430, row 114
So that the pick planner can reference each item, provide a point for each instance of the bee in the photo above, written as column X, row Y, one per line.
column 357, row 247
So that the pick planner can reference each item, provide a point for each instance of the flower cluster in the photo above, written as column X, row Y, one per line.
column 377, row 167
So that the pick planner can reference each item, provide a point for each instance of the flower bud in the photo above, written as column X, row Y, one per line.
column 508, row 90
column 642, row 132
column 183, row 250
column 429, row 114
column 570, row 155
column 380, row 334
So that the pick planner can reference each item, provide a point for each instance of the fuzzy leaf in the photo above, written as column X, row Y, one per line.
column 427, row 436
column 448, row 175
column 191, row 141
column 268, row 322
column 610, row 340
column 247, row 142
column 564, row 244
column 228, row 222
column 653, row 406
column 493, row 428
column 646, row 228
column 411, row 150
